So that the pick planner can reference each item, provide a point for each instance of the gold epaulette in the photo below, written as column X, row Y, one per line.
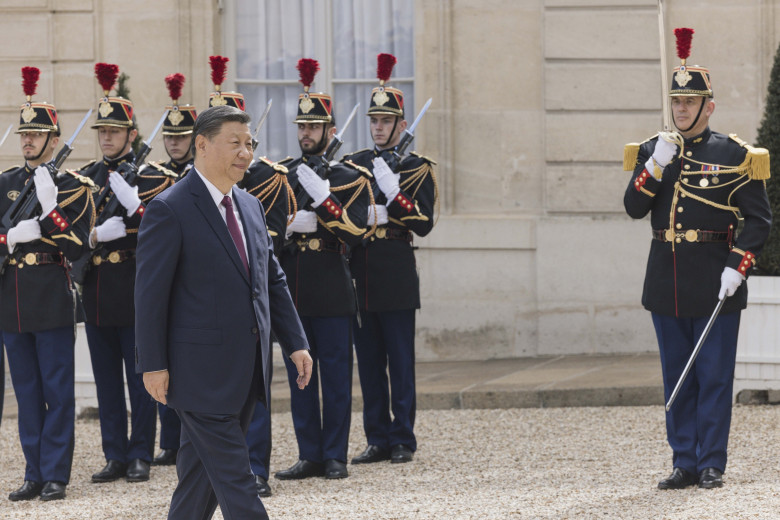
column 756, row 160
column 348, row 155
column 630, row 153
column 83, row 179
column 285, row 160
column 365, row 172
column 84, row 167
column 15, row 167
column 424, row 158
column 165, row 171
column 275, row 165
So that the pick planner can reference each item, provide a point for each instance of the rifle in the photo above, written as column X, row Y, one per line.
column 129, row 171
column 394, row 158
column 319, row 162
column 26, row 204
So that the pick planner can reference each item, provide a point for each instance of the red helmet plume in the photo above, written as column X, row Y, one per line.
column 175, row 83
column 307, row 69
column 384, row 66
column 30, row 77
column 106, row 75
column 218, row 69
column 684, row 36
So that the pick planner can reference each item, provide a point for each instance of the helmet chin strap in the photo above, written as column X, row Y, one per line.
column 698, row 115
column 43, row 148
column 124, row 146
column 390, row 138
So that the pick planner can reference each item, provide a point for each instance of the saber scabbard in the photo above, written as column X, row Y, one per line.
column 695, row 353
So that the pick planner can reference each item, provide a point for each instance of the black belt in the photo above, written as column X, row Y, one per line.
column 691, row 235
column 114, row 257
column 386, row 233
column 321, row 245
column 36, row 259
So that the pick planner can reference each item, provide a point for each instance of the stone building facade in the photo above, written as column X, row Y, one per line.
column 534, row 99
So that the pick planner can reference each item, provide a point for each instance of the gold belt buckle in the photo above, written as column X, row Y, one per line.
column 315, row 244
column 30, row 259
column 669, row 235
column 381, row 232
column 97, row 260
column 692, row 235
column 113, row 257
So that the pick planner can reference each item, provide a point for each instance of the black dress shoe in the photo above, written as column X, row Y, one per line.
column 29, row 490
column 301, row 469
column 53, row 491
column 335, row 469
column 710, row 478
column 263, row 489
column 679, row 479
column 371, row 454
column 138, row 471
column 111, row 472
column 401, row 453
column 165, row 458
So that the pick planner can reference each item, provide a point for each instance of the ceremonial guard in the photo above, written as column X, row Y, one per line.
column 108, row 288
column 385, row 272
column 697, row 185
column 37, row 298
column 332, row 203
column 267, row 181
column 177, row 137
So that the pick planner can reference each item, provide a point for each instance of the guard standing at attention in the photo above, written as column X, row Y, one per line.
column 385, row 272
column 177, row 137
column 697, row 185
column 38, row 299
column 108, row 286
column 332, row 203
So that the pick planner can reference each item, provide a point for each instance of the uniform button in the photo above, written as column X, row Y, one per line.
column 683, row 195
column 685, row 181
column 680, row 209
column 678, row 240
column 687, row 166
column 679, row 226
column 254, row 330
column 689, row 153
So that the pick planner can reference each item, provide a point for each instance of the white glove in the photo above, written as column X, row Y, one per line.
column 24, row 231
column 380, row 215
column 317, row 188
column 109, row 230
column 305, row 222
column 45, row 190
column 386, row 179
column 127, row 195
column 664, row 151
column 730, row 280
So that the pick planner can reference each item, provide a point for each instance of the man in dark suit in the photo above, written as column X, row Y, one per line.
column 208, row 292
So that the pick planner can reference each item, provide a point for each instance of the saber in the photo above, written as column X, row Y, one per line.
column 5, row 135
column 695, row 353
column 408, row 136
column 349, row 120
column 146, row 147
column 63, row 154
column 420, row 116
column 664, row 75
column 148, row 142
column 260, row 124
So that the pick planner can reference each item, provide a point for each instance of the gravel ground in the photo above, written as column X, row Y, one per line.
column 472, row 464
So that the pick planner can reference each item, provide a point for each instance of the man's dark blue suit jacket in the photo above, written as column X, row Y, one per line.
column 198, row 314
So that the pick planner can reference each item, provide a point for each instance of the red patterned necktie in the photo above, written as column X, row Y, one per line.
column 235, row 231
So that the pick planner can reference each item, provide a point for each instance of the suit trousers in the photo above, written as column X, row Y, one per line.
column 170, row 428
column 42, row 373
column 325, row 437
column 213, row 464
column 109, row 348
column 386, row 340
column 697, row 426
column 2, row 376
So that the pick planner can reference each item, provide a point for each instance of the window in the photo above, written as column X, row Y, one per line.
column 266, row 38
